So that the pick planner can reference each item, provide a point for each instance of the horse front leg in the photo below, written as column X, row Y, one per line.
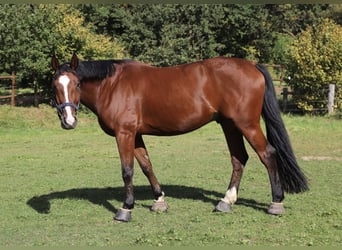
column 125, row 142
column 143, row 159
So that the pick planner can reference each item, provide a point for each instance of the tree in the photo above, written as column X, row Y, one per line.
column 182, row 33
column 293, row 18
column 287, row 21
column 77, row 36
column 30, row 34
column 25, row 38
column 315, row 61
column 168, row 34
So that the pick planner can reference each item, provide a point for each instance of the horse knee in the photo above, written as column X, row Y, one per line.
column 127, row 172
column 269, row 156
column 270, row 150
column 143, row 160
column 239, row 161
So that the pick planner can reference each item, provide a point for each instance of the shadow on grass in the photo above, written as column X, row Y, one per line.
column 102, row 196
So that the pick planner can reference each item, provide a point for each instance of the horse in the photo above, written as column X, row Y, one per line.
column 132, row 99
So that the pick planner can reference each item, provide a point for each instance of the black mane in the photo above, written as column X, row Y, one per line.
column 94, row 70
column 97, row 69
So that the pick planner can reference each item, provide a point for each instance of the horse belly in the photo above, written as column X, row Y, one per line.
column 176, row 120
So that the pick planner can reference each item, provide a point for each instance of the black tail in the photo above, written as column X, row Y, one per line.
column 291, row 176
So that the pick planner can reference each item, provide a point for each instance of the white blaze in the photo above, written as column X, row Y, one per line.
column 231, row 196
column 64, row 81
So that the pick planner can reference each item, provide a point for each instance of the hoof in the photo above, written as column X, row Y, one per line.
column 223, row 207
column 123, row 215
column 276, row 208
column 159, row 206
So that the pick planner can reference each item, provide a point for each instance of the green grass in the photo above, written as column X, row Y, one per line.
column 61, row 188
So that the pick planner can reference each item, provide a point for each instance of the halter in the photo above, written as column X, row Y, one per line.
column 62, row 106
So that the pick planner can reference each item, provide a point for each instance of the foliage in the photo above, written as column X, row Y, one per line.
column 161, row 34
column 169, row 34
column 25, row 40
column 293, row 18
column 335, row 13
column 315, row 62
column 287, row 21
column 38, row 31
column 76, row 36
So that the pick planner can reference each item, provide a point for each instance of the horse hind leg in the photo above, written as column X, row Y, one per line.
column 141, row 154
column 267, row 155
column 239, row 158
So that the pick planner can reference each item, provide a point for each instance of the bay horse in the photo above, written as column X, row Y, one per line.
column 132, row 99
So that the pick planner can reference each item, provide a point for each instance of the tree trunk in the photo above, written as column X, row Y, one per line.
column 36, row 96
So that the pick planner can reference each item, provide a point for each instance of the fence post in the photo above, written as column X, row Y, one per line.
column 331, row 98
column 13, row 90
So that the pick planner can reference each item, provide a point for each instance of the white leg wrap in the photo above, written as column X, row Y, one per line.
column 159, row 204
column 125, row 209
column 161, row 198
column 231, row 196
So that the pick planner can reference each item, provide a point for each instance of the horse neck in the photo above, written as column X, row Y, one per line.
column 89, row 95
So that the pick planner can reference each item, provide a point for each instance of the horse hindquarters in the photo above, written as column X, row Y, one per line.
column 275, row 153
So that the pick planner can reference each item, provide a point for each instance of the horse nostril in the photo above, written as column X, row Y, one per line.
column 75, row 122
column 68, row 124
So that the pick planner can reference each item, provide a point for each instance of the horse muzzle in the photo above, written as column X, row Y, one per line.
column 65, row 114
column 68, row 123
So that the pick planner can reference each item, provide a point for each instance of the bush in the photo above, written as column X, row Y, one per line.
column 315, row 61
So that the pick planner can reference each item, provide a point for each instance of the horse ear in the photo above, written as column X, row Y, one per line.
column 74, row 62
column 54, row 63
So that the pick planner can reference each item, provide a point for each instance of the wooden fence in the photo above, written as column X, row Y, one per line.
column 12, row 96
column 328, row 103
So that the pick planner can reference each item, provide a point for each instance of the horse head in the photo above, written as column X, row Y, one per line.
column 67, row 94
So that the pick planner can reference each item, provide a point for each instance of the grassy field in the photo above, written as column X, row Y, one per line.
column 62, row 188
